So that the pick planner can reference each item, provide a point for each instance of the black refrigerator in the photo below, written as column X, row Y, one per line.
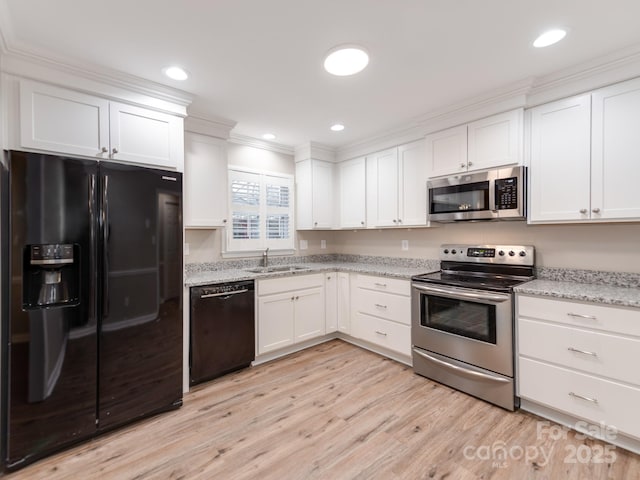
column 92, row 299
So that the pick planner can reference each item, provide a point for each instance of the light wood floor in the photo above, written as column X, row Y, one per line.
column 334, row 411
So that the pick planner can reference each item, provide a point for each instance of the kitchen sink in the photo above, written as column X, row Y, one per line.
column 277, row 268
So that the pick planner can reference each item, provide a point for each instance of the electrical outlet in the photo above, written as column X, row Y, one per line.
column 405, row 244
column 323, row 244
column 304, row 244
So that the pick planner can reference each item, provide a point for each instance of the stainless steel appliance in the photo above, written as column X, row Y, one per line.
column 222, row 329
column 91, row 299
column 462, row 319
column 498, row 194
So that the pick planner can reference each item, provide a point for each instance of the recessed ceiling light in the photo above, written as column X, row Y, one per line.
column 549, row 38
column 176, row 73
column 338, row 127
column 346, row 60
column 269, row 136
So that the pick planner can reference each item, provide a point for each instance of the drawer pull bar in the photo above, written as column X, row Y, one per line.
column 382, row 285
column 381, row 333
column 579, row 315
column 380, row 306
column 592, row 400
column 584, row 352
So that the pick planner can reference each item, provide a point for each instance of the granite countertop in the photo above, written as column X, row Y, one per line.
column 588, row 292
column 208, row 277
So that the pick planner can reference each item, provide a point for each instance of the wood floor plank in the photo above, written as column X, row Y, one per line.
column 333, row 411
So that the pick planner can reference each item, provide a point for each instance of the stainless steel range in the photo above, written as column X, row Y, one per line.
column 462, row 319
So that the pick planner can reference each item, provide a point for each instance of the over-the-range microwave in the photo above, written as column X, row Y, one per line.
column 497, row 194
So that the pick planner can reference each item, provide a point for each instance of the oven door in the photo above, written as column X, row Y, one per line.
column 472, row 326
column 462, row 197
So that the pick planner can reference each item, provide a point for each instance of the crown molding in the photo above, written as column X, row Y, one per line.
column 315, row 150
column 212, row 127
column 247, row 141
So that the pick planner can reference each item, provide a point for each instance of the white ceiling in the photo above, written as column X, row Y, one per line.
column 259, row 62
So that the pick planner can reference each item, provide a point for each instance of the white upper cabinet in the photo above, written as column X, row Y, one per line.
column 490, row 142
column 352, row 180
column 314, row 194
column 559, row 170
column 584, row 157
column 205, row 181
column 615, row 147
column 396, row 187
column 65, row 121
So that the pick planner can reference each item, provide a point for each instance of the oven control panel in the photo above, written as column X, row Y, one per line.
column 501, row 254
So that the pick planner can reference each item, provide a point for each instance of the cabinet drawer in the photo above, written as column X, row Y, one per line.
column 382, row 332
column 610, row 402
column 287, row 284
column 384, row 284
column 594, row 352
column 581, row 314
column 385, row 305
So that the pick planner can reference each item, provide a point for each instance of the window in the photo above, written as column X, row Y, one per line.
column 261, row 211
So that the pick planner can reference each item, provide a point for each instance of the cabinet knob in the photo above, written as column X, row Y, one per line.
column 469, row 163
column 114, row 150
column 361, row 223
column 462, row 165
column 104, row 149
column 399, row 220
column 224, row 220
column 596, row 210
column 395, row 221
column 583, row 211
column 315, row 224
column 297, row 297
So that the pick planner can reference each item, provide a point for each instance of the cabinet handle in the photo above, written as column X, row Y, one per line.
column 104, row 149
column 399, row 220
column 297, row 297
column 114, row 150
column 383, row 285
column 361, row 223
column 224, row 220
column 583, row 211
column 470, row 163
column 579, row 315
column 584, row 352
column 380, row 306
column 315, row 224
column 329, row 277
column 596, row 210
column 395, row 221
column 462, row 165
column 592, row 400
column 381, row 333
column 293, row 298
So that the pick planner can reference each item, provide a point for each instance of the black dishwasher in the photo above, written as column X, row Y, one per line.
column 222, row 329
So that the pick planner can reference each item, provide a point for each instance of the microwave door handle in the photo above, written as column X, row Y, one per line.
column 458, row 293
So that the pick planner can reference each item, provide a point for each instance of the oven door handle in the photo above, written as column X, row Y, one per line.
column 461, row 370
column 453, row 292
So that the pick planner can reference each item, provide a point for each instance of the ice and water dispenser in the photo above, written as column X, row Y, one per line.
column 51, row 276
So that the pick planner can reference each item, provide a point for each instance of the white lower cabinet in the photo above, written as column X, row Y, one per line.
column 290, row 310
column 382, row 312
column 580, row 359
column 331, row 301
column 344, row 302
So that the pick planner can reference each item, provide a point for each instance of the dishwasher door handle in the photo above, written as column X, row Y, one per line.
column 224, row 294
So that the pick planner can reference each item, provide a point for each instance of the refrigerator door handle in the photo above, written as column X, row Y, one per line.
column 105, row 246
column 92, row 248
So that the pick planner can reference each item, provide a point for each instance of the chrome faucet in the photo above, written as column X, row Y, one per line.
column 265, row 258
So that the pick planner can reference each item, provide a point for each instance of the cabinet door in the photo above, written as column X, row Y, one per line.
column 560, row 160
column 205, row 181
column 412, row 189
column 322, row 191
column 304, row 195
column 385, row 188
column 63, row 121
column 275, row 321
column 331, row 301
column 615, row 171
column 495, row 141
column 344, row 303
column 309, row 314
column 146, row 137
column 447, row 151
column 352, row 176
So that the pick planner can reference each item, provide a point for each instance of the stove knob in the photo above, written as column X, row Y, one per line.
column 522, row 253
column 446, row 250
column 511, row 253
column 501, row 253
column 454, row 251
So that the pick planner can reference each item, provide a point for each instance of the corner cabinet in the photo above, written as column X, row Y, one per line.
column 397, row 187
column 314, row 195
column 490, row 142
column 205, row 181
column 584, row 151
column 59, row 120
column 290, row 310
